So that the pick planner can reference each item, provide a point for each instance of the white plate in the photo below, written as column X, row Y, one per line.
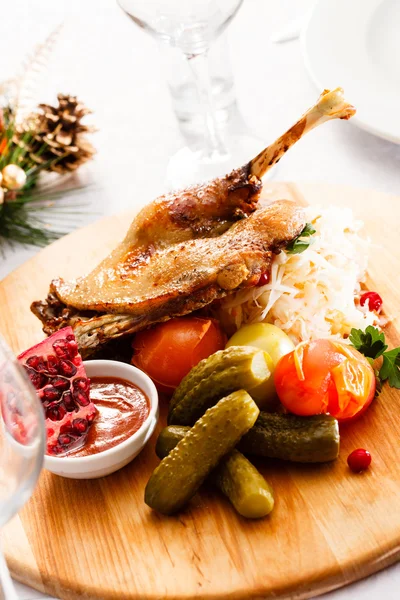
column 355, row 44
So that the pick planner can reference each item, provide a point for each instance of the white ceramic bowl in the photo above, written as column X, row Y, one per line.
column 108, row 461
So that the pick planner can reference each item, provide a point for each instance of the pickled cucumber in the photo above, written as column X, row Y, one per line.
column 180, row 474
column 235, row 476
column 169, row 437
column 235, row 368
column 245, row 487
column 288, row 437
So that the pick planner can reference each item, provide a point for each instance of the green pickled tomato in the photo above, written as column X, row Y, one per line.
column 276, row 344
column 265, row 336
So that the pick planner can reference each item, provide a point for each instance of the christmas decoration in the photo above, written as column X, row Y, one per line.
column 14, row 178
column 55, row 136
column 35, row 143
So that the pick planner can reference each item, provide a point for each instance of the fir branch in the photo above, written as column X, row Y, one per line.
column 37, row 219
column 15, row 227
column 20, row 149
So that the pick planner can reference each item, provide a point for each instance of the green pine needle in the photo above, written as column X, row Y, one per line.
column 25, row 218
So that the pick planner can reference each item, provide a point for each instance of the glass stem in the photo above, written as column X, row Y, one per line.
column 7, row 590
column 214, row 147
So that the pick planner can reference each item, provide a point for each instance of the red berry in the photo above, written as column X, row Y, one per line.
column 374, row 300
column 359, row 460
column 264, row 279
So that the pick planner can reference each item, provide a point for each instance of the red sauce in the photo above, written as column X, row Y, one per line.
column 122, row 408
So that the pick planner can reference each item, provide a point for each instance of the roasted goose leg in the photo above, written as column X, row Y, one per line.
column 184, row 250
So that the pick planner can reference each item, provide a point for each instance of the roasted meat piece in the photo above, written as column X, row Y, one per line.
column 172, row 281
column 185, row 249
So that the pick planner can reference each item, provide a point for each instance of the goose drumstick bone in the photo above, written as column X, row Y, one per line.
column 330, row 105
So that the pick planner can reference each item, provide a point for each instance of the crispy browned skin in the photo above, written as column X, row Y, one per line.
column 203, row 210
column 180, row 277
column 173, row 280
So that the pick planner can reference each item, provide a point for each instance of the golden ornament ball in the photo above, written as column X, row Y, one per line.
column 1, row 196
column 1, row 178
column 14, row 178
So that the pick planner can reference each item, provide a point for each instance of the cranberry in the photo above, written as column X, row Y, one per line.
column 374, row 300
column 264, row 279
column 359, row 460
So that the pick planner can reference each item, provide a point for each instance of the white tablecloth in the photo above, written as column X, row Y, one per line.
column 114, row 68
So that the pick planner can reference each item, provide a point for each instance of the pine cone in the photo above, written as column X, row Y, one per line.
column 55, row 135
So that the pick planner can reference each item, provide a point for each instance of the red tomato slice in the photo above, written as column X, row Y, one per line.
column 325, row 377
column 168, row 351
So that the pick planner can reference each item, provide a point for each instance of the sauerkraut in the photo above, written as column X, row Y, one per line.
column 314, row 294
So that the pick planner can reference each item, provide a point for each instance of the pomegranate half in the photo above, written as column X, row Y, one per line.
column 56, row 371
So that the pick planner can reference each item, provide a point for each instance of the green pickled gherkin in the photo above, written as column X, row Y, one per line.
column 235, row 368
column 288, row 437
column 240, row 481
column 297, row 439
column 235, row 476
column 179, row 475
column 169, row 437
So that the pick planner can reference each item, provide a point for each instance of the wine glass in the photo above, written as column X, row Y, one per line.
column 191, row 26
column 22, row 444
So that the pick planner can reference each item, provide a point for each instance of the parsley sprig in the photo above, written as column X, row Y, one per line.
column 372, row 344
column 301, row 243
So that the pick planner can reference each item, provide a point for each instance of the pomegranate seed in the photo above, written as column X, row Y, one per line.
column 67, row 368
column 373, row 299
column 52, row 365
column 60, row 383
column 264, row 279
column 69, row 402
column 41, row 366
column 50, row 394
column 38, row 379
column 56, row 449
column 60, row 348
column 72, row 347
column 33, row 361
column 66, row 428
column 81, row 384
column 64, row 439
column 56, row 413
column 80, row 425
column 359, row 460
column 81, row 397
column 37, row 363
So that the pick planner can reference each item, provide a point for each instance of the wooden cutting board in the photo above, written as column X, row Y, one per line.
column 97, row 539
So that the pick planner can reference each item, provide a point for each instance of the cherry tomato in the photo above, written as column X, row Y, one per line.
column 325, row 376
column 169, row 350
